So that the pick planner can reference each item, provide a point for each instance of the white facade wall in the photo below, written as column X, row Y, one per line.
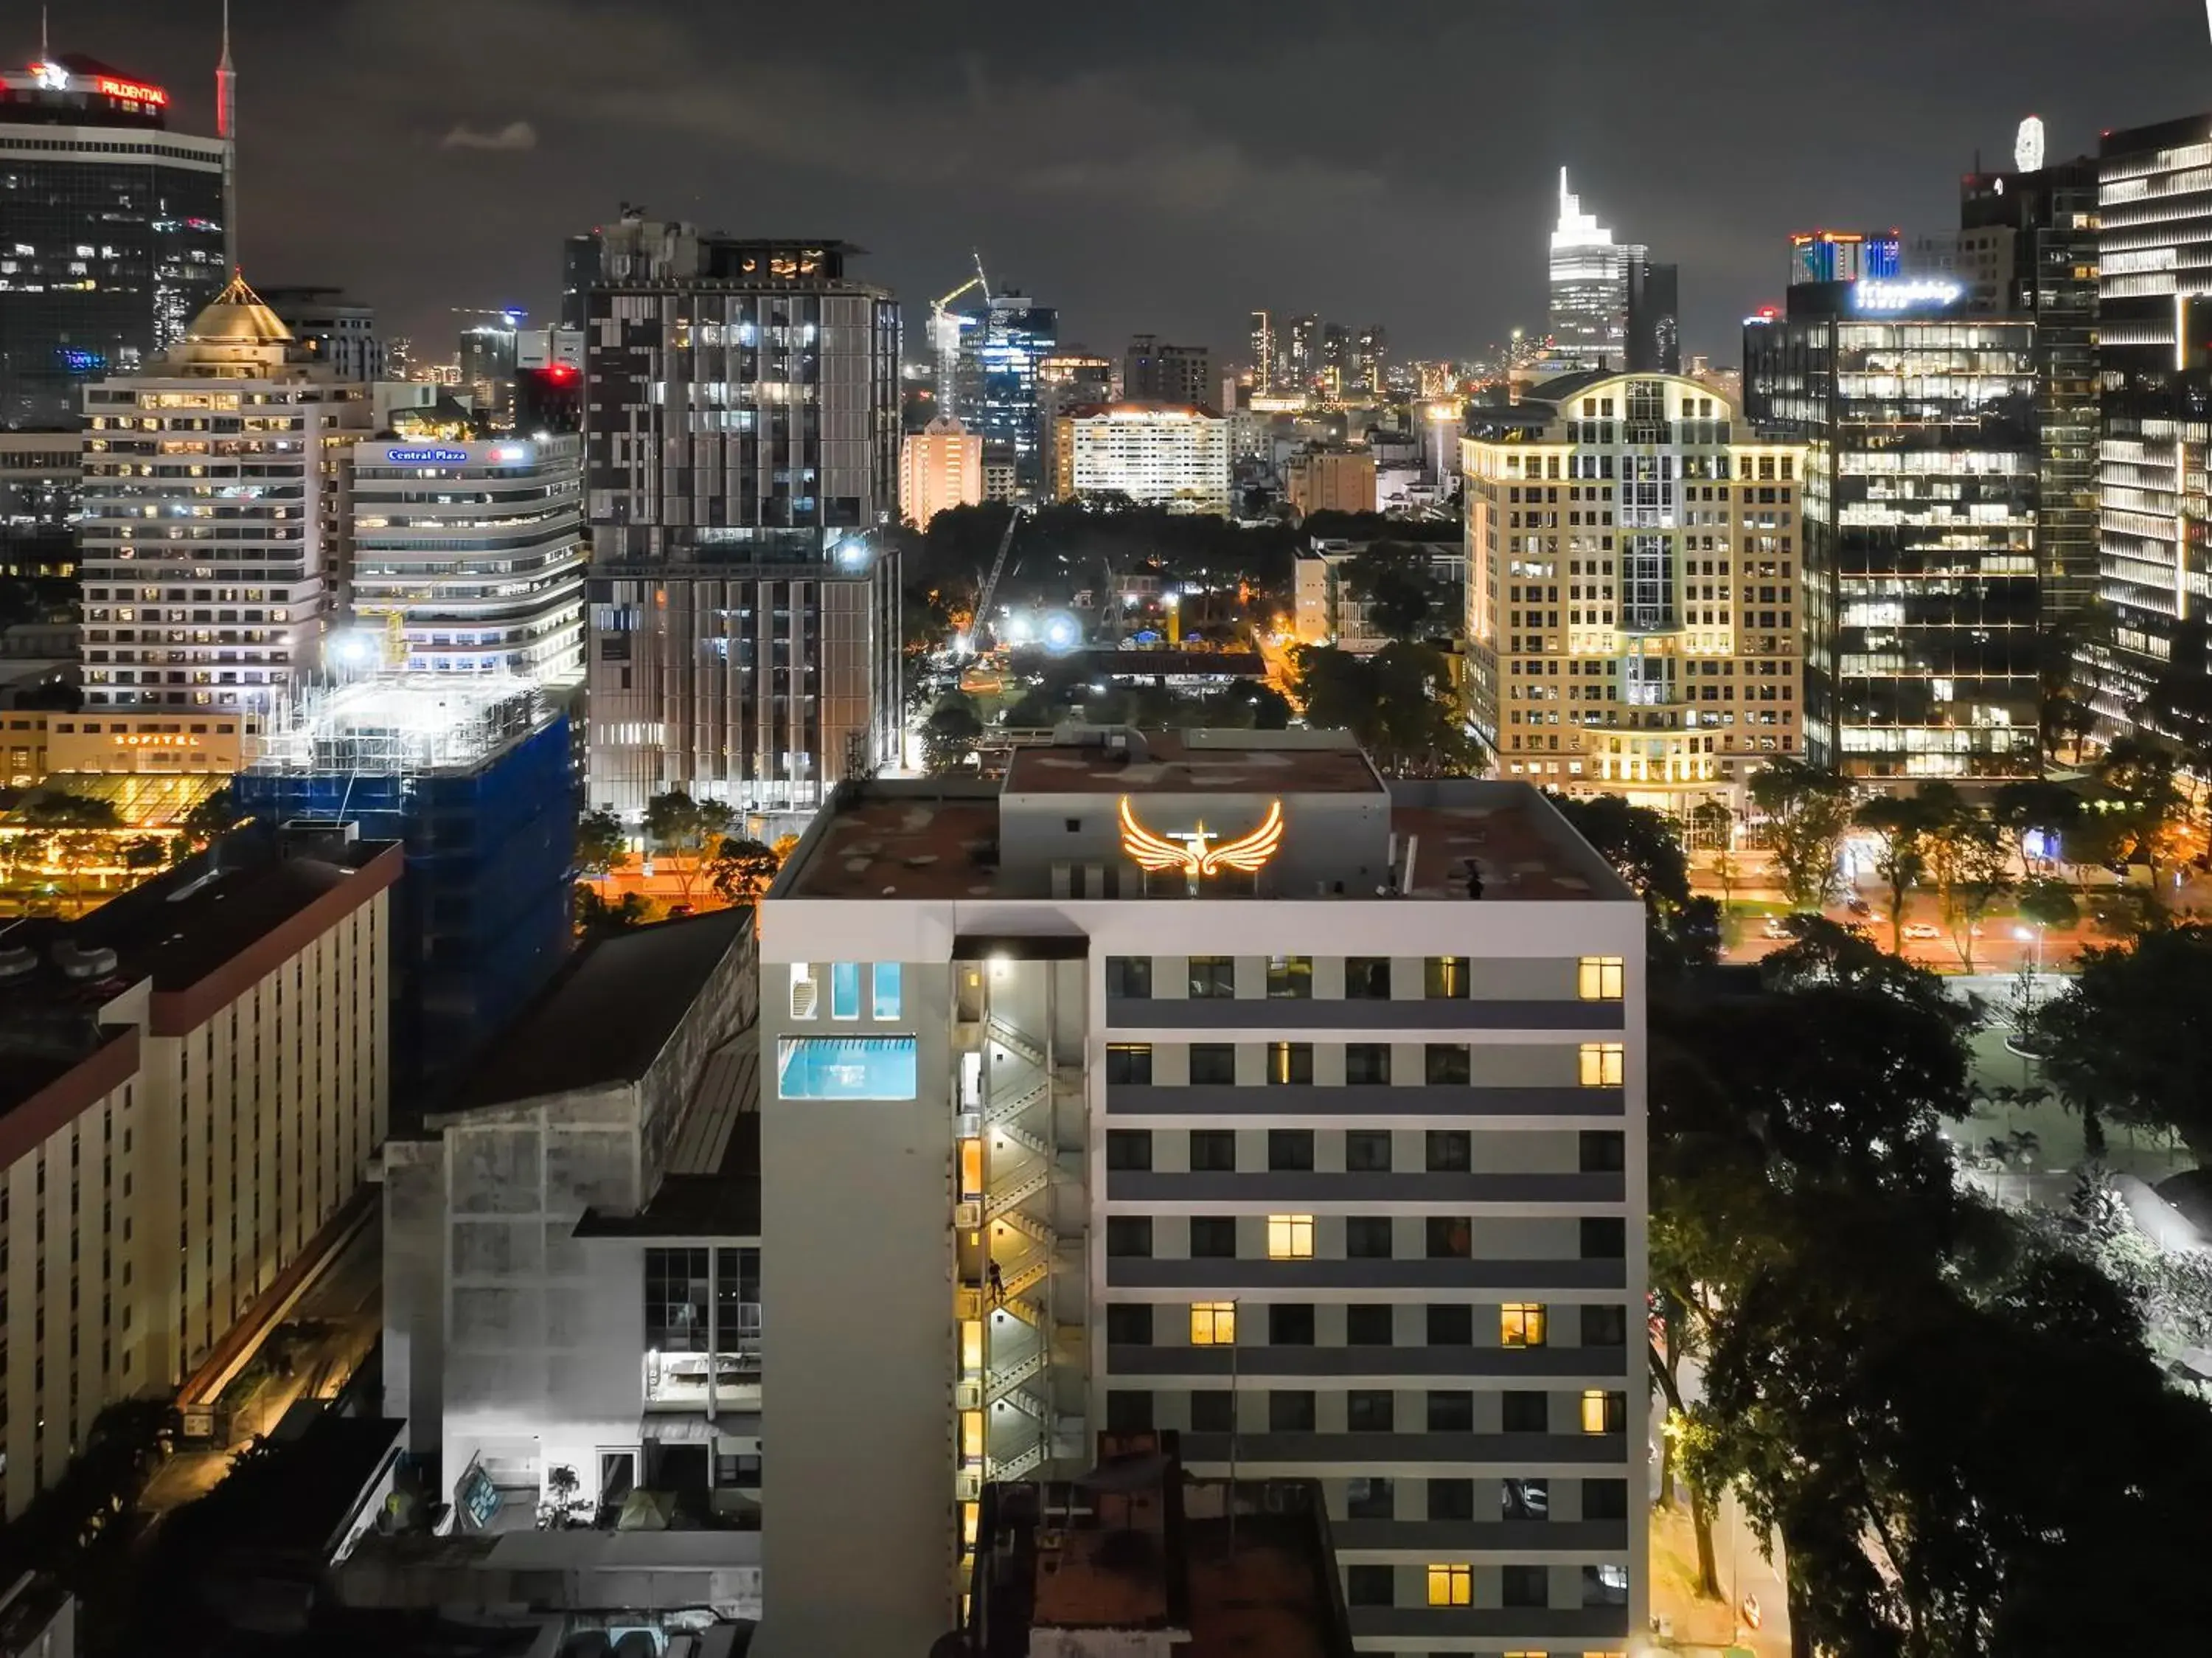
column 1172, row 458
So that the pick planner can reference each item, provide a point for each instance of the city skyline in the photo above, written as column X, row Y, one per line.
column 1139, row 179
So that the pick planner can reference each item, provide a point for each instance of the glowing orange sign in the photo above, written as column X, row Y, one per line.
column 1193, row 855
column 138, row 91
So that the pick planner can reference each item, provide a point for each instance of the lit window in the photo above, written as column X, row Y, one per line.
column 1451, row 1585
column 1290, row 1237
column 1213, row 1324
column 888, row 982
column 1604, row 1412
column 1520, row 1324
column 971, row 1435
column 1600, row 977
column 1602, row 1064
column 844, row 989
column 804, row 990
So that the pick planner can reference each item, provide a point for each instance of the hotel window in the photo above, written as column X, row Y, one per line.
column 1212, row 1063
column 1213, row 1237
column 1603, row 1151
column 1290, row 977
column 1520, row 1324
column 1448, row 1064
column 1290, row 1237
column 1604, row 1238
column 889, row 984
column 1603, row 1064
column 1367, row 978
column 1129, row 1062
column 1367, row 1151
column 844, row 989
column 1600, row 978
column 1290, row 1061
column 1366, row 1062
column 1129, row 1148
column 1291, row 1150
column 1129, row 1235
column 1524, row 1586
column 1604, row 1412
column 1212, row 977
column 1129, row 976
column 1368, row 1237
column 1444, row 978
column 805, row 988
column 1213, row 1151
column 1451, row 1585
column 1213, row 1324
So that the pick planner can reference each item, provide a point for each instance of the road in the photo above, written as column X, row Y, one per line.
column 1751, row 1586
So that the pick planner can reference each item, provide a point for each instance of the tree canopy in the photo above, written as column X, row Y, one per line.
column 2130, row 1038
column 1399, row 704
column 1807, row 812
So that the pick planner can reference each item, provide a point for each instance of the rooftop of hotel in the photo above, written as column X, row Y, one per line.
column 942, row 839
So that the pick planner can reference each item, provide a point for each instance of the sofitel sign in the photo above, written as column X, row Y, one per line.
column 1195, row 853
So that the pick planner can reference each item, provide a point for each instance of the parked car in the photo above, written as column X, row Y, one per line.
column 1777, row 927
column 1922, row 930
column 1858, row 907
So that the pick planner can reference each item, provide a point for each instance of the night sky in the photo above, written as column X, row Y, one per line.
column 1142, row 165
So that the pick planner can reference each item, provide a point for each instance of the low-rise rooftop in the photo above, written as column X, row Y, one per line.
column 1205, row 762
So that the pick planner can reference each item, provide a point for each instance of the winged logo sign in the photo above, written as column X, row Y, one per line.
column 1199, row 852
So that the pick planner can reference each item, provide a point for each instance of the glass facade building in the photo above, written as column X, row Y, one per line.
column 113, row 238
column 1921, row 597
column 999, row 396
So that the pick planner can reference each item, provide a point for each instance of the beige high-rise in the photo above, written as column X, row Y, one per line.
column 940, row 465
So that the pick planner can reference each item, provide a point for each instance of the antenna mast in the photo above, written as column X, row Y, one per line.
column 226, row 128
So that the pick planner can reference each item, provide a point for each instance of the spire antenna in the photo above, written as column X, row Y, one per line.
column 46, row 48
column 226, row 128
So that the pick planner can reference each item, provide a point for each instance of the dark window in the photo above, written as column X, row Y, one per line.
column 1370, row 1585
column 1212, row 976
column 1524, row 1586
column 1604, row 1586
column 1213, row 1151
column 1211, row 1410
column 1449, row 1151
column 1129, row 1323
column 1525, row 1499
column 1290, row 977
column 1605, row 1499
column 1448, row 1064
column 1444, row 978
column 1604, row 1325
column 1212, row 1237
column 1367, row 978
column 1451, row 1324
column 1291, row 1324
column 1290, row 1410
column 1212, row 1062
column 1367, row 1150
column 1450, row 1237
column 1604, row 1151
column 1128, row 1410
column 1289, row 1151
column 1605, row 1237
column 1366, row 1062
column 1367, row 1237
column 1129, row 1148
column 1451, row 1410
column 1525, row 1413
column 1371, row 1411
column 1368, row 1499
column 1129, row 1062
column 1452, row 1499
column 1290, row 1062
column 1129, row 976
column 1128, row 1234
column 675, row 1299
column 1367, row 1324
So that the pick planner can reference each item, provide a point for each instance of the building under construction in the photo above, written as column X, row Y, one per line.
column 472, row 776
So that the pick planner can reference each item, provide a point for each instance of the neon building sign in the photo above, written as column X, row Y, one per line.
column 1199, row 854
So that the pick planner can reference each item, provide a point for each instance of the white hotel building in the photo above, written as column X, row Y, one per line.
column 1208, row 1083
column 1153, row 454
column 469, row 556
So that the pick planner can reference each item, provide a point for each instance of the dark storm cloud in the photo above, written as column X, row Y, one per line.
column 1141, row 165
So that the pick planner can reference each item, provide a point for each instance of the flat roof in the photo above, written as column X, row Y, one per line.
column 1197, row 762
column 607, row 1014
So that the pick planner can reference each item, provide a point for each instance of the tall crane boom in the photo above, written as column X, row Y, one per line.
column 944, row 335
column 998, row 569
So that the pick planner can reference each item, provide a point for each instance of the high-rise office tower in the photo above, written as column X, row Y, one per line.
column 1336, row 368
column 1067, row 380
column 1263, row 352
column 1589, row 316
column 1916, row 526
column 1644, row 641
column 1302, row 365
column 327, row 327
column 1154, row 371
column 1844, row 255
column 468, row 555
column 998, row 359
column 1369, row 351
column 215, row 545
column 1654, row 319
column 490, row 360
column 114, row 237
column 2046, row 223
column 744, row 618
column 1177, row 1082
column 2154, row 320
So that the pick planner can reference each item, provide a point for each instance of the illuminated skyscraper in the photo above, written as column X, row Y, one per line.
column 1590, row 287
column 999, row 352
column 1263, row 352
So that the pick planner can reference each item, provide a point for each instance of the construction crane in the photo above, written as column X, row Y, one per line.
column 945, row 334
column 991, row 582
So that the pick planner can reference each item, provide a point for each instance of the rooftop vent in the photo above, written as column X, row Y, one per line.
column 77, row 963
column 17, row 961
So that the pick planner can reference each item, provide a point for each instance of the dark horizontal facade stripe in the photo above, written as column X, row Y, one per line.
column 1534, row 1623
column 1510, row 1453
column 1350, row 1363
column 1204, row 1276
column 1222, row 1013
column 1448, row 1537
column 1128, row 1185
column 1287, row 1102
